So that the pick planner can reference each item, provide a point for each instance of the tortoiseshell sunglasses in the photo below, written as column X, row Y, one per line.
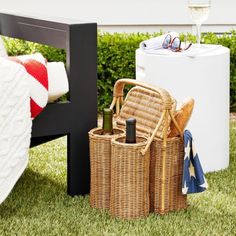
column 174, row 44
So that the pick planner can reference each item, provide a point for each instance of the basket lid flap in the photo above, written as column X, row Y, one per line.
column 146, row 107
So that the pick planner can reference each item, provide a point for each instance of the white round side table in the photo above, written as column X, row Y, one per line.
column 206, row 79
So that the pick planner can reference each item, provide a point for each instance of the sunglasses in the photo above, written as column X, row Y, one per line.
column 174, row 44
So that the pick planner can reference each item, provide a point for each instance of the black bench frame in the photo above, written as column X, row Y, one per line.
column 77, row 116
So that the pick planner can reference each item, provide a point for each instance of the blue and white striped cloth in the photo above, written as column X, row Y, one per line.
column 193, row 176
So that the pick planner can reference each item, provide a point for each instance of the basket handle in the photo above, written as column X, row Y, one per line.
column 118, row 94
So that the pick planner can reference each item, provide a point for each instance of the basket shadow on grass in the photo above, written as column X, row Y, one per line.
column 40, row 196
column 44, row 192
column 35, row 188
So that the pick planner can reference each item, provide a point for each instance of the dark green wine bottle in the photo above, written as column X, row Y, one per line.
column 107, row 125
column 130, row 130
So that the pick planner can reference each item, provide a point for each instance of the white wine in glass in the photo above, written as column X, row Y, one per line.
column 199, row 10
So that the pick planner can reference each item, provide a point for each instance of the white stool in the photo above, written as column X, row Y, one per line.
column 206, row 79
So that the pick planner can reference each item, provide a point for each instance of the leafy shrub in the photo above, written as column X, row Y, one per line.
column 116, row 58
column 21, row 47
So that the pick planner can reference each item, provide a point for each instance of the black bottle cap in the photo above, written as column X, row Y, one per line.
column 131, row 121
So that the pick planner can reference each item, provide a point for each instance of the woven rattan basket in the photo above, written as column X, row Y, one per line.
column 100, row 166
column 166, row 176
column 153, row 109
column 129, row 179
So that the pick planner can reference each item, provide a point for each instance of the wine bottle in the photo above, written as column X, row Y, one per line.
column 130, row 130
column 107, row 125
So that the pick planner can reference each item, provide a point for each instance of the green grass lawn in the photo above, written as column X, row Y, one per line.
column 39, row 205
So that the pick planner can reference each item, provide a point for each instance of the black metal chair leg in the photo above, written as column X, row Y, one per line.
column 78, row 172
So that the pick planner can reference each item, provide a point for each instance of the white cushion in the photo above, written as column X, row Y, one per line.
column 15, row 124
column 57, row 80
column 3, row 51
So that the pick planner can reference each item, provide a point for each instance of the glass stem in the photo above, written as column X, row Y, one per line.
column 198, row 34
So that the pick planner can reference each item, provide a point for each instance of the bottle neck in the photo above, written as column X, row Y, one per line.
column 107, row 121
column 131, row 130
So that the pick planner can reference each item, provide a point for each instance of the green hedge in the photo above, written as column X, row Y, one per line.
column 116, row 58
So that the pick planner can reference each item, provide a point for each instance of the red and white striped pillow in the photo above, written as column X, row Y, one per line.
column 35, row 65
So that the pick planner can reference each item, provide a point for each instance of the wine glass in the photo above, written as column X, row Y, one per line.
column 199, row 10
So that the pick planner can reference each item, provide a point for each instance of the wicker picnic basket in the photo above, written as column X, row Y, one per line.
column 129, row 178
column 154, row 109
column 100, row 166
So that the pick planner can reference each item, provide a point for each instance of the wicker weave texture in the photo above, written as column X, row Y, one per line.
column 173, row 163
column 173, row 199
column 100, row 164
column 129, row 179
column 146, row 107
column 154, row 108
column 166, row 173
